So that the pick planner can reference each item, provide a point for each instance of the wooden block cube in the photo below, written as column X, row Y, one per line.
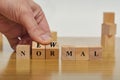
column 23, row 52
column 95, row 53
column 108, row 43
column 68, row 52
column 82, row 53
column 38, row 51
column 108, row 29
column 54, row 36
column 109, row 17
column 52, row 51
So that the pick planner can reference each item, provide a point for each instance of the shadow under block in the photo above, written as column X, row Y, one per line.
column 52, row 51
column 108, row 29
column 54, row 36
column 23, row 52
column 95, row 53
column 68, row 52
column 109, row 17
column 82, row 53
column 38, row 51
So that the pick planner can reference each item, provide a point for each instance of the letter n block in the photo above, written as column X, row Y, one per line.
column 52, row 51
column 23, row 52
column 38, row 51
column 95, row 53
column 82, row 53
column 68, row 52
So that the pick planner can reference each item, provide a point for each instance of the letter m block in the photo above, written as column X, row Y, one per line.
column 68, row 52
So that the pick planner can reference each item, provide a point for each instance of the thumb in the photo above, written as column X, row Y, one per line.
column 34, row 30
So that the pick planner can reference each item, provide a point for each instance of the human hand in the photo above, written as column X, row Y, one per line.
column 22, row 21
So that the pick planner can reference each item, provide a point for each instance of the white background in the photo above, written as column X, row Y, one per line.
column 79, row 18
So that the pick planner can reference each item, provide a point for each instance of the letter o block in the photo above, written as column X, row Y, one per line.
column 38, row 51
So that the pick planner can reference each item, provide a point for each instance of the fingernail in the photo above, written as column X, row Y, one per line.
column 46, row 37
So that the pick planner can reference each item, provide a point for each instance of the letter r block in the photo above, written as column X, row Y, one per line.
column 52, row 51
column 68, row 52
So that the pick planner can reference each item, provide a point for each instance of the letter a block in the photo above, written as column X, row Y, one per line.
column 52, row 51
column 68, row 52
column 38, row 51
column 23, row 52
column 82, row 53
column 95, row 53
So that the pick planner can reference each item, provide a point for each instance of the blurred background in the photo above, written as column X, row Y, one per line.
column 79, row 18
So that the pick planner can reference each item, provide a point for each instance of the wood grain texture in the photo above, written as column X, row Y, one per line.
column 106, row 69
